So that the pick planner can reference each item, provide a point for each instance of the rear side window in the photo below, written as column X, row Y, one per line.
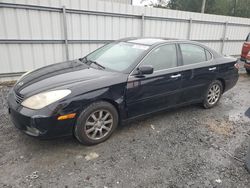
column 192, row 54
column 163, row 57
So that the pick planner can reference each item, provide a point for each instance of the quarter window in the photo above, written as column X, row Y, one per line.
column 192, row 54
column 163, row 57
column 208, row 54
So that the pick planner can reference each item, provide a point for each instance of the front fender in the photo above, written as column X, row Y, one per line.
column 113, row 94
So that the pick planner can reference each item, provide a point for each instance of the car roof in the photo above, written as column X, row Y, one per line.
column 149, row 40
column 155, row 41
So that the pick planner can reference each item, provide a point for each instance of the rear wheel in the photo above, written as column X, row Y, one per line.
column 96, row 123
column 213, row 94
column 248, row 71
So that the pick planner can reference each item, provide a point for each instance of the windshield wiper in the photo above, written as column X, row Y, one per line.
column 83, row 60
column 94, row 62
column 89, row 62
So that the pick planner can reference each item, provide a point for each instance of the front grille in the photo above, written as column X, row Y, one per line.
column 18, row 98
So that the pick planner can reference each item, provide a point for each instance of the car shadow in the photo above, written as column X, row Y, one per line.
column 156, row 115
column 247, row 113
column 53, row 144
column 70, row 142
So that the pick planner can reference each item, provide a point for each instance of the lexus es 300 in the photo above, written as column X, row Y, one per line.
column 123, row 80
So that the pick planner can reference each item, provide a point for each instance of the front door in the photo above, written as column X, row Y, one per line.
column 149, row 93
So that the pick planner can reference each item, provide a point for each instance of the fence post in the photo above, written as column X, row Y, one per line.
column 65, row 30
column 223, row 37
column 142, row 25
column 190, row 28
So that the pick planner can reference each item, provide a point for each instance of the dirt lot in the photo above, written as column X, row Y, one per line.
column 185, row 147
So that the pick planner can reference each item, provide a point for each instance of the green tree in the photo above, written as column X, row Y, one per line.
column 240, row 8
column 185, row 5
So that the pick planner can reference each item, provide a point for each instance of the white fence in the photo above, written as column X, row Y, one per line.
column 35, row 33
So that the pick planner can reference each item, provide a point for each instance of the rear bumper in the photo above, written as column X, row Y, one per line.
column 247, row 65
column 38, row 123
column 243, row 59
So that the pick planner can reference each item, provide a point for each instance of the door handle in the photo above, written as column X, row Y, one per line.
column 176, row 76
column 212, row 68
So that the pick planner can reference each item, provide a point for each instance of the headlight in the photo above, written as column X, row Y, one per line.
column 41, row 100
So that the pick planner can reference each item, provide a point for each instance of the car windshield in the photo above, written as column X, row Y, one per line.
column 117, row 56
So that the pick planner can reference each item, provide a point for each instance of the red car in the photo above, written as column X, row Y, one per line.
column 245, row 53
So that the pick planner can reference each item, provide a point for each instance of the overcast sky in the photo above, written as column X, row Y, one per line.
column 146, row 2
column 138, row 2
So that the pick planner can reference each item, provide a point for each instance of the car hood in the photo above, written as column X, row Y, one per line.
column 65, row 75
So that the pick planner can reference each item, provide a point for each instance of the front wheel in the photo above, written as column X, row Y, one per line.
column 96, row 123
column 213, row 94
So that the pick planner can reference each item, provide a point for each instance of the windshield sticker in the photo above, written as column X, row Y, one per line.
column 141, row 47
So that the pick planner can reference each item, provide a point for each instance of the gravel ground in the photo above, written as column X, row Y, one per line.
column 184, row 147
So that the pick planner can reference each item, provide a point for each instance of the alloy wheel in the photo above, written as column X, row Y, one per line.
column 98, row 124
column 213, row 94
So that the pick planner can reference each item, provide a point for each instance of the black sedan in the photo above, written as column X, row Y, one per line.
column 120, row 81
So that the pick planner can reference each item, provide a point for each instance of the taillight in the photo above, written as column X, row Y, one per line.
column 237, row 65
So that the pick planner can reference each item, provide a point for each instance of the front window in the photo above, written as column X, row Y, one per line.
column 163, row 57
column 118, row 56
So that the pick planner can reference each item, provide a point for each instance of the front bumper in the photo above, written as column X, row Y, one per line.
column 38, row 123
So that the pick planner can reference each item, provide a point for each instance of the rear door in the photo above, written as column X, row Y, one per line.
column 149, row 93
column 199, row 69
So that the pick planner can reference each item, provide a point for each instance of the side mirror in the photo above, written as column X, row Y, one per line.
column 145, row 69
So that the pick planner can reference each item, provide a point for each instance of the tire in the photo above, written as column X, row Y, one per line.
column 213, row 94
column 99, row 117
column 248, row 71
